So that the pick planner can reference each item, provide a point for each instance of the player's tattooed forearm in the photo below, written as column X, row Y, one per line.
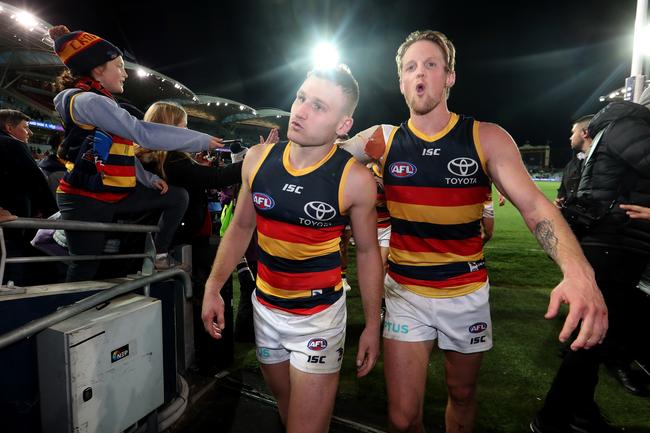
column 545, row 234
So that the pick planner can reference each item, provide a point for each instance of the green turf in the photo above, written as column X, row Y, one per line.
column 517, row 372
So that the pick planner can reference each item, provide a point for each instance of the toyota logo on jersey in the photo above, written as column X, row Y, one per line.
column 462, row 166
column 320, row 211
column 263, row 201
column 402, row 169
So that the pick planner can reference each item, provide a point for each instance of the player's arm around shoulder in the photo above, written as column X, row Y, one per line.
column 232, row 247
column 578, row 287
column 369, row 144
column 359, row 199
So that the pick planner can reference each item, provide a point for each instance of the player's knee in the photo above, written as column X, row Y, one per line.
column 462, row 395
column 404, row 420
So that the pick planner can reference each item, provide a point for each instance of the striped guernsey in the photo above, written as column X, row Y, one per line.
column 299, row 225
column 435, row 188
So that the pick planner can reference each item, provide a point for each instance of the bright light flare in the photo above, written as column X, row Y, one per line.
column 141, row 73
column 642, row 41
column 325, row 55
column 26, row 19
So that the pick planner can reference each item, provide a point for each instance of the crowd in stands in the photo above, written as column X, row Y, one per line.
column 96, row 172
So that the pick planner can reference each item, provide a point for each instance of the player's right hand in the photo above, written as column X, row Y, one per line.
column 212, row 314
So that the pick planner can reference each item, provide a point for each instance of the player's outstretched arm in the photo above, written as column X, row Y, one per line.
column 359, row 195
column 578, row 288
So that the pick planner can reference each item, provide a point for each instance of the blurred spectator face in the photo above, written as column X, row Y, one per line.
column 112, row 75
column 578, row 136
column 20, row 131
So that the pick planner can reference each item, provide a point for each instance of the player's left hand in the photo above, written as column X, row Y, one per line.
column 586, row 304
column 368, row 351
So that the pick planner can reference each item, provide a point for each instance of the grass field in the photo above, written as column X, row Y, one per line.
column 517, row 372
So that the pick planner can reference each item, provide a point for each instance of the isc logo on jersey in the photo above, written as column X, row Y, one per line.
column 402, row 169
column 263, row 201
column 317, row 344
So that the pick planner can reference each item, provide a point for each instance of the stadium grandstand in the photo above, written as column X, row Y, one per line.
column 28, row 67
column 28, row 400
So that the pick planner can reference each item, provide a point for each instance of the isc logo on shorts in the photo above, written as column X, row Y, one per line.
column 263, row 201
column 317, row 344
column 402, row 169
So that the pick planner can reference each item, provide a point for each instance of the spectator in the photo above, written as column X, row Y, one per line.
column 15, row 124
column 617, row 171
column 25, row 192
column 105, row 179
column 52, row 166
column 179, row 169
column 580, row 143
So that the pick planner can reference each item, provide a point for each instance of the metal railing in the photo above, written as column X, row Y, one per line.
column 68, row 311
column 148, row 255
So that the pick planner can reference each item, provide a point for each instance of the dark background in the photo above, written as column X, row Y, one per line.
column 532, row 67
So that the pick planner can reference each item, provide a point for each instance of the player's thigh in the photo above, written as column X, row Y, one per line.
column 277, row 379
column 312, row 401
column 405, row 367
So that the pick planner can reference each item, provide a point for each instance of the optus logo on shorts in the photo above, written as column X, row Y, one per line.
column 263, row 201
column 478, row 327
column 402, row 169
column 317, row 344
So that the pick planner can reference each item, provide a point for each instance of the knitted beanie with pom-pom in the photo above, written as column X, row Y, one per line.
column 81, row 51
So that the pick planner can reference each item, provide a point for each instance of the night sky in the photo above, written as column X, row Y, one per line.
column 532, row 67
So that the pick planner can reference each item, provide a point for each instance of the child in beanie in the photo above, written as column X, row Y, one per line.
column 104, row 178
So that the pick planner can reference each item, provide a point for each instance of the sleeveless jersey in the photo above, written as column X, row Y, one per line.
column 299, row 226
column 435, row 189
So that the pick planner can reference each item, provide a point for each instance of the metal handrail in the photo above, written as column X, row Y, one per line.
column 37, row 223
column 31, row 328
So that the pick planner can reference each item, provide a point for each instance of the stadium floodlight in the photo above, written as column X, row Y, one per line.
column 26, row 20
column 325, row 55
column 642, row 41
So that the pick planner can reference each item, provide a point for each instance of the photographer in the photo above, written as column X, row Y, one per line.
column 616, row 171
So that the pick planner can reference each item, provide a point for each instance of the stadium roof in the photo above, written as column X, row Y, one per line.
column 28, row 66
column 26, row 54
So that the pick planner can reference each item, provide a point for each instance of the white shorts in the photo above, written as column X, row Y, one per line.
column 383, row 236
column 461, row 324
column 313, row 344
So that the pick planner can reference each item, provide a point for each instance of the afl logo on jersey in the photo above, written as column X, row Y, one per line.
column 402, row 169
column 320, row 211
column 462, row 166
column 263, row 201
